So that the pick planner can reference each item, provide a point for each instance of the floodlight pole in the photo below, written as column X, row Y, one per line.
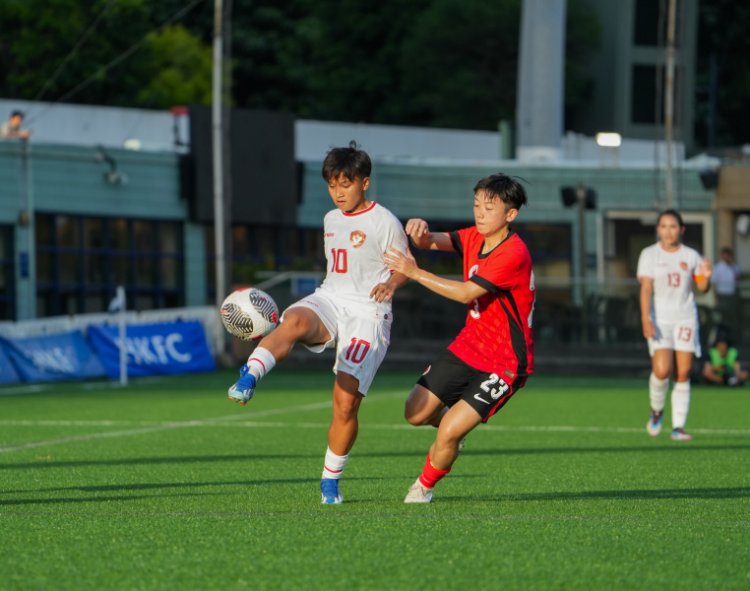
column 217, row 103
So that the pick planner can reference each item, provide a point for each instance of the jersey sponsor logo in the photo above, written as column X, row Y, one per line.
column 357, row 238
column 427, row 370
column 329, row 235
column 479, row 397
column 473, row 271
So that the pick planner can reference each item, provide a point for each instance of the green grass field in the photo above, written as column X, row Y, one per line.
column 166, row 485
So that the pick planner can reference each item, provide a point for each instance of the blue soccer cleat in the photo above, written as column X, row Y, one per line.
column 329, row 491
column 244, row 388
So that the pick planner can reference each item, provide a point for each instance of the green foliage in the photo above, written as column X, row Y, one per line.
column 39, row 34
column 179, row 70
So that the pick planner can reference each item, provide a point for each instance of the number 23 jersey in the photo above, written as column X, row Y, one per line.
column 497, row 336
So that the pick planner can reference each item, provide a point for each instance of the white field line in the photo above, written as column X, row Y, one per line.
column 234, row 421
column 153, row 428
column 169, row 426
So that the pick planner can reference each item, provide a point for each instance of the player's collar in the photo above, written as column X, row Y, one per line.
column 372, row 204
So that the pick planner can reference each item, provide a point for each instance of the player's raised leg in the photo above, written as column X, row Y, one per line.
column 298, row 324
column 342, row 433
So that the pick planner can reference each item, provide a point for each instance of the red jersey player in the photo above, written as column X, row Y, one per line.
column 492, row 356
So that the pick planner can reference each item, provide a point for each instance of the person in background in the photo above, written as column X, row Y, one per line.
column 667, row 271
column 723, row 366
column 724, row 280
column 12, row 127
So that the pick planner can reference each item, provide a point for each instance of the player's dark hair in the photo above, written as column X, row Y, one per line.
column 503, row 187
column 351, row 161
column 674, row 213
column 17, row 114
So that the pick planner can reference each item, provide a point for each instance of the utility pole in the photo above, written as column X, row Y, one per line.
column 581, row 204
column 669, row 99
column 217, row 104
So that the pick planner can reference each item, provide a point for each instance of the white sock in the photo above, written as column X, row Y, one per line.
column 261, row 361
column 657, row 392
column 680, row 404
column 334, row 465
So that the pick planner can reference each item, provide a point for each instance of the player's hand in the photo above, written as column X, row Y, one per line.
column 419, row 232
column 649, row 330
column 400, row 262
column 706, row 269
column 382, row 292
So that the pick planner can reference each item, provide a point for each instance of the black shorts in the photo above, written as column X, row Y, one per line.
column 451, row 380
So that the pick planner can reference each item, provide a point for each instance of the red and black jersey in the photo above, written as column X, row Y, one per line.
column 497, row 336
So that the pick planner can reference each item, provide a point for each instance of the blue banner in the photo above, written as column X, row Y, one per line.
column 167, row 348
column 49, row 358
column 8, row 373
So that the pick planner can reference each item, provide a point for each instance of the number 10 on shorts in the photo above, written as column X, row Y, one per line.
column 357, row 350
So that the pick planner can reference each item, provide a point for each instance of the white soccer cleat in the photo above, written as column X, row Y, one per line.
column 655, row 422
column 418, row 493
column 680, row 435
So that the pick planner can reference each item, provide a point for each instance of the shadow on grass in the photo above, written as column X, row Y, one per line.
column 622, row 495
column 670, row 447
column 155, row 486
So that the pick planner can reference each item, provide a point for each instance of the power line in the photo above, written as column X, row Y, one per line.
column 126, row 54
column 73, row 51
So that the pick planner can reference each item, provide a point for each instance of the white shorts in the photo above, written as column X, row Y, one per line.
column 677, row 336
column 360, row 333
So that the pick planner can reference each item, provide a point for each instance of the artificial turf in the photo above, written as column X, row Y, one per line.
column 166, row 485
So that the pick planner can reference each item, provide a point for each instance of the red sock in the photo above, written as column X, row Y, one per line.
column 431, row 475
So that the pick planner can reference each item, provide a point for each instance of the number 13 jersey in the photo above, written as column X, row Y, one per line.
column 672, row 274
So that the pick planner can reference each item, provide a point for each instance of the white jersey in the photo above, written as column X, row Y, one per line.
column 354, row 245
column 672, row 273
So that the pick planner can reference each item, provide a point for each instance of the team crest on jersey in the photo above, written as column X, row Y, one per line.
column 357, row 238
column 683, row 266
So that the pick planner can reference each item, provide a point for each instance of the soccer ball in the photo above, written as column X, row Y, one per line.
column 249, row 314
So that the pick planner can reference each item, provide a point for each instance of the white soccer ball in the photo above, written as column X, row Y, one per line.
column 249, row 314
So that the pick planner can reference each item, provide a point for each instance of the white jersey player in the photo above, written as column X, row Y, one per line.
column 351, row 310
column 668, row 271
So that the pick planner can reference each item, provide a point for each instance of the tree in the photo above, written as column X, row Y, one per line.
column 39, row 34
column 723, row 39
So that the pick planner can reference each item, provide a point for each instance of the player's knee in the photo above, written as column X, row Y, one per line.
column 414, row 418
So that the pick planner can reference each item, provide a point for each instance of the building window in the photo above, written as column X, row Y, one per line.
column 81, row 260
column 650, row 23
column 647, row 95
column 7, row 283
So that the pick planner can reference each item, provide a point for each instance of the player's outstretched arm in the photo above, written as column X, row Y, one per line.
column 419, row 233
column 459, row 291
